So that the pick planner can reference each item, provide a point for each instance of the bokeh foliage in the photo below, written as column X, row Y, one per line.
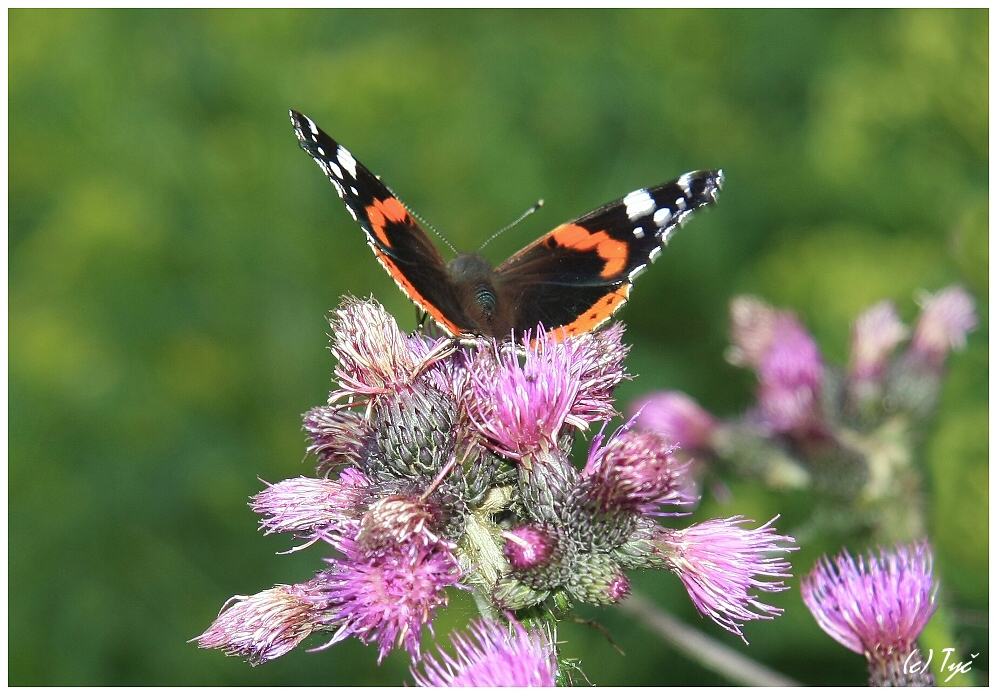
column 172, row 256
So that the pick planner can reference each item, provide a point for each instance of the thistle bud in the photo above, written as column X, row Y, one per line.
column 415, row 432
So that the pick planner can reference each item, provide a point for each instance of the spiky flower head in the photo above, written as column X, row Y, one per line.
column 720, row 562
column 875, row 334
column 338, row 436
column 637, row 471
column 528, row 547
column 790, row 376
column 946, row 317
column 373, row 355
column 521, row 408
column 266, row 625
column 875, row 606
column 304, row 504
column 676, row 416
column 387, row 598
column 492, row 655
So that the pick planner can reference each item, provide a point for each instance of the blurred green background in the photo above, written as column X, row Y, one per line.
column 173, row 255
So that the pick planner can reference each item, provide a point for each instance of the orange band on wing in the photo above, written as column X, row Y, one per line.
column 383, row 211
column 610, row 250
column 409, row 289
column 598, row 313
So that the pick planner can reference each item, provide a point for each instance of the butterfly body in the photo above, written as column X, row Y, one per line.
column 571, row 280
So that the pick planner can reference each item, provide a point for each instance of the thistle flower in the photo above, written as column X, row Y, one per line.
column 338, row 436
column 719, row 562
column 266, row 625
column 636, row 471
column 598, row 362
column 528, row 547
column 373, row 355
column 493, row 655
column 876, row 606
column 676, row 416
column 946, row 317
column 311, row 504
column 399, row 520
column 789, row 376
column 875, row 334
column 521, row 408
column 389, row 597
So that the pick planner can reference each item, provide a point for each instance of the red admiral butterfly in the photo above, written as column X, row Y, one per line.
column 572, row 279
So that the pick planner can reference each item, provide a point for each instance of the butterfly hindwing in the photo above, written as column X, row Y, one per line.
column 574, row 278
column 398, row 242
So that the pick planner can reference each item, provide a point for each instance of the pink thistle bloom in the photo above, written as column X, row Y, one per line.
column 266, row 625
column 751, row 330
column 637, row 471
column 875, row 334
column 946, row 317
column 338, row 436
column 719, row 562
column 522, row 408
column 790, row 375
column 373, row 355
column 389, row 597
column 527, row 547
column 398, row 520
column 312, row 504
column 676, row 416
column 876, row 606
column 493, row 655
column 598, row 363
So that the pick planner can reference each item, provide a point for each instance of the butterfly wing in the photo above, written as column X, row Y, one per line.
column 398, row 242
column 574, row 278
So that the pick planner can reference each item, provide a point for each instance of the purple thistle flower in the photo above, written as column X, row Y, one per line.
column 875, row 334
column 338, row 436
column 389, row 597
column 598, row 362
column 521, row 408
column 719, row 562
column 676, row 416
column 876, row 606
column 751, row 322
column 636, row 471
column 266, row 625
column 493, row 655
column 527, row 547
column 398, row 520
column 312, row 504
column 373, row 355
column 790, row 375
column 946, row 317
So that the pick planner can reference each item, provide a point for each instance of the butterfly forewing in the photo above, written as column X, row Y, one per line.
column 578, row 275
column 400, row 244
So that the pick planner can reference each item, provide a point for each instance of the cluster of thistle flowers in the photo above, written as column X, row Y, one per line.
column 810, row 423
column 447, row 465
column 877, row 606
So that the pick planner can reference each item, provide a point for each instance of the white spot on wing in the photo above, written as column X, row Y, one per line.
column 662, row 216
column 636, row 271
column 311, row 126
column 352, row 214
column 339, row 188
column 639, row 203
column 684, row 182
column 355, row 191
column 655, row 252
column 347, row 160
column 680, row 204
column 639, row 232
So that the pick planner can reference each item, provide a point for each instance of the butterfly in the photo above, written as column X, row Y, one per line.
column 571, row 280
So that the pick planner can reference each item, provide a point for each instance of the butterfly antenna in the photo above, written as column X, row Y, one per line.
column 419, row 217
column 539, row 204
